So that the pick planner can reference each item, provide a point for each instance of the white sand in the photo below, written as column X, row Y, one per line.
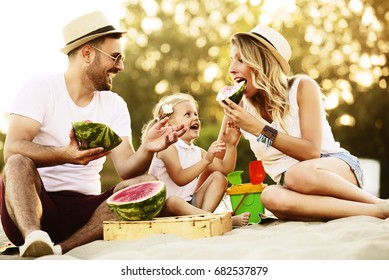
column 361, row 238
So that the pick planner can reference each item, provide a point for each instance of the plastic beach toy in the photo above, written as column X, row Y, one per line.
column 256, row 172
column 247, row 197
column 235, row 177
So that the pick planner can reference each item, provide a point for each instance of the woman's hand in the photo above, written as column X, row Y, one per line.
column 241, row 117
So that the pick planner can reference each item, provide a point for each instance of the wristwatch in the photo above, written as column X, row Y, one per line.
column 269, row 133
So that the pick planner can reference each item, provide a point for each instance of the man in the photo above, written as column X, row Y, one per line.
column 51, row 188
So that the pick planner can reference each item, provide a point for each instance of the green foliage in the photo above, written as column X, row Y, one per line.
column 182, row 46
column 176, row 57
column 178, row 52
column 369, row 138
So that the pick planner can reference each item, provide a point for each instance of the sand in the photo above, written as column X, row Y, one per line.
column 354, row 238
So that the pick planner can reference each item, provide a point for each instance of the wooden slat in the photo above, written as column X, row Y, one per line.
column 191, row 227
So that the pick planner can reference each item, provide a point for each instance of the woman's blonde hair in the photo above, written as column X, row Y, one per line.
column 165, row 108
column 267, row 76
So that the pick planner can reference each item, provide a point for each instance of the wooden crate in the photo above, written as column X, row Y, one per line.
column 191, row 227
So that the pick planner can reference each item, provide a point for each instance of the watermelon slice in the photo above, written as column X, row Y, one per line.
column 235, row 92
column 93, row 135
column 140, row 202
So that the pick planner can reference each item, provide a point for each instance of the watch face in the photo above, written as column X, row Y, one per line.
column 270, row 132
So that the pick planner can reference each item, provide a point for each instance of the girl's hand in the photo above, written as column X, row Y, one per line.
column 216, row 147
column 231, row 134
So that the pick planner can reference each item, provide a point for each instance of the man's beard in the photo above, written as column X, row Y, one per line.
column 96, row 77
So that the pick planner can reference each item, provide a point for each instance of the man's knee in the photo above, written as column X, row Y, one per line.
column 18, row 161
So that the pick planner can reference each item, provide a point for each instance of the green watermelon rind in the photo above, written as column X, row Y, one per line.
column 143, row 210
column 92, row 135
column 236, row 97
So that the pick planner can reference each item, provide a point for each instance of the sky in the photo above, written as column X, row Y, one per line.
column 32, row 39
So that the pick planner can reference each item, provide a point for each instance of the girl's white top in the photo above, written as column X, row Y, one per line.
column 188, row 155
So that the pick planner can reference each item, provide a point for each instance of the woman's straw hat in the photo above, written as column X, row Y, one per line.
column 274, row 41
column 86, row 28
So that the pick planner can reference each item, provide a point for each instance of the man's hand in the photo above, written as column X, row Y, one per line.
column 161, row 135
column 77, row 156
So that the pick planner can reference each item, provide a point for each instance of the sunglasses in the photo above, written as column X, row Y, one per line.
column 116, row 59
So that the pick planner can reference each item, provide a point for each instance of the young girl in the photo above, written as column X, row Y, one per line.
column 181, row 165
column 284, row 120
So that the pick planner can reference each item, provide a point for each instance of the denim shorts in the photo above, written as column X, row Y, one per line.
column 352, row 161
column 193, row 200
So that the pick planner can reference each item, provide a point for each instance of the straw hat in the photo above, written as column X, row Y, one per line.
column 86, row 28
column 274, row 41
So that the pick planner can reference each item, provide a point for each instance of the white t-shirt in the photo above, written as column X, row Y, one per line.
column 188, row 155
column 46, row 100
column 274, row 161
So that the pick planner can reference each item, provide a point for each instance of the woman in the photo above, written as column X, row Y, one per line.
column 284, row 120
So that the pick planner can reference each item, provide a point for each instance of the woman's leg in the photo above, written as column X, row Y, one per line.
column 327, row 177
column 290, row 205
column 321, row 189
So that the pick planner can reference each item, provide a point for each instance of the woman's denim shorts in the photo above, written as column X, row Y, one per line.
column 352, row 161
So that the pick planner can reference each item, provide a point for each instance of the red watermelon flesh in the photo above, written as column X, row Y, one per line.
column 138, row 202
column 234, row 93
column 135, row 193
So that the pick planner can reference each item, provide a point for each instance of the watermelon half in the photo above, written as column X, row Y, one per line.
column 93, row 135
column 138, row 202
column 235, row 92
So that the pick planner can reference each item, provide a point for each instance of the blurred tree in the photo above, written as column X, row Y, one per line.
column 182, row 46
column 351, row 36
column 178, row 46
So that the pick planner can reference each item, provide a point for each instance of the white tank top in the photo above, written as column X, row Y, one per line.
column 274, row 161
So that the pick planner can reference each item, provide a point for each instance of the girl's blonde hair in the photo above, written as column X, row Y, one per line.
column 267, row 76
column 165, row 108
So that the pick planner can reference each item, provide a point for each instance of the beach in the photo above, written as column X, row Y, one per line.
column 353, row 238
